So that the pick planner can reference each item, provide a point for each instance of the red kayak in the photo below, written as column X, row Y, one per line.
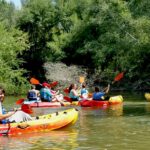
column 92, row 103
column 114, row 100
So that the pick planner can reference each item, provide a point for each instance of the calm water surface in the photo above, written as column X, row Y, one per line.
column 120, row 127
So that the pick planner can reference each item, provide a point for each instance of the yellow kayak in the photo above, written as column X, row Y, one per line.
column 115, row 99
column 76, row 103
column 42, row 123
column 147, row 96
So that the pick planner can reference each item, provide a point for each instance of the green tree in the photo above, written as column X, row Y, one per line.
column 7, row 13
column 39, row 19
column 108, row 36
column 12, row 44
column 105, row 35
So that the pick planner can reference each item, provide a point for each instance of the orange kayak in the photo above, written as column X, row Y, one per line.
column 42, row 123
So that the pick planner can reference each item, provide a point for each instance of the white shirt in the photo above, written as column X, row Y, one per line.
column 1, row 111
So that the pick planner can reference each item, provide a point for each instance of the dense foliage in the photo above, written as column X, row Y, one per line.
column 39, row 19
column 104, row 36
column 7, row 13
column 13, row 42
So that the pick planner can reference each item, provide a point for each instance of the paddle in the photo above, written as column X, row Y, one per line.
column 81, row 79
column 53, row 83
column 66, row 90
column 118, row 77
column 36, row 82
column 68, row 99
column 20, row 101
column 26, row 108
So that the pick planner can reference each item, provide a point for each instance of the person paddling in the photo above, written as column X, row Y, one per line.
column 73, row 94
column 2, row 94
column 84, row 92
column 100, row 95
column 45, row 93
column 13, row 116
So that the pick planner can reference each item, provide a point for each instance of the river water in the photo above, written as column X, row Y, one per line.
column 120, row 127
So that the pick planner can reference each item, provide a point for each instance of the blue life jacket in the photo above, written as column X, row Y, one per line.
column 32, row 95
column 84, row 91
column 45, row 94
column 98, row 95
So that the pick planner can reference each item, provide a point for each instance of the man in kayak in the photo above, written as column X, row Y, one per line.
column 13, row 116
column 100, row 95
column 45, row 93
column 33, row 94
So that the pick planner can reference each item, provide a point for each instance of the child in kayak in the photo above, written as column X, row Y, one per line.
column 100, row 95
column 84, row 92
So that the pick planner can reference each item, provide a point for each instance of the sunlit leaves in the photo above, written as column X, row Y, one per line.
column 12, row 43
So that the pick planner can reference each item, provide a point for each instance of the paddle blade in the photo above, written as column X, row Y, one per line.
column 81, row 79
column 67, row 99
column 26, row 108
column 66, row 90
column 119, row 76
column 34, row 81
column 53, row 83
column 45, row 84
column 20, row 101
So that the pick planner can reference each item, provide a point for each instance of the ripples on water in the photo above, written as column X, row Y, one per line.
column 119, row 127
column 52, row 140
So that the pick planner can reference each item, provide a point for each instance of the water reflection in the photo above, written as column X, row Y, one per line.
column 113, row 110
column 147, row 107
column 116, row 110
column 118, row 127
column 66, row 139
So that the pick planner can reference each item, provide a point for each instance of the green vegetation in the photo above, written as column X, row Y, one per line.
column 12, row 44
column 104, row 36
